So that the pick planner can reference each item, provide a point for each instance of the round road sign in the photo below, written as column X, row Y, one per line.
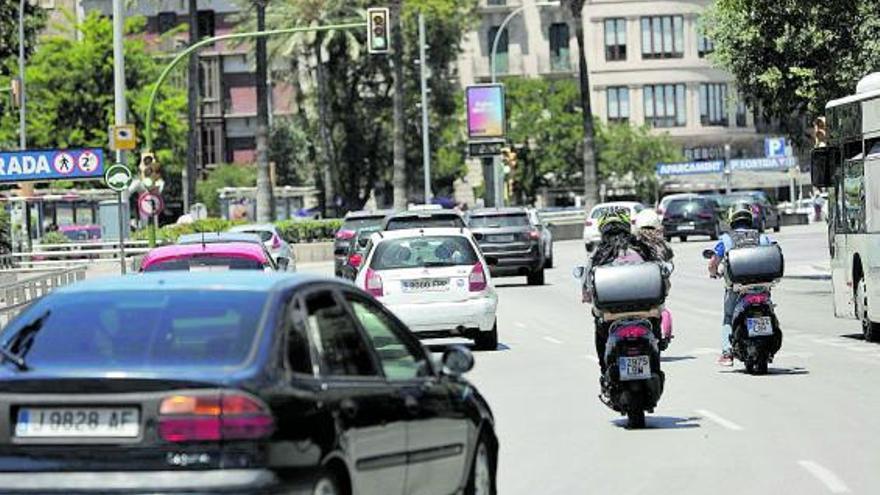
column 118, row 177
column 150, row 204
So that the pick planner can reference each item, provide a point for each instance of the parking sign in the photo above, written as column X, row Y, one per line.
column 774, row 147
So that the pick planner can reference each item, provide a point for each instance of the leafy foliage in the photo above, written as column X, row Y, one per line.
column 70, row 95
column 223, row 176
column 790, row 58
column 293, row 231
column 34, row 20
column 628, row 155
column 291, row 151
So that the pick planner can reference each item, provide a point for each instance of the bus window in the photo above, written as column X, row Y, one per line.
column 854, row 196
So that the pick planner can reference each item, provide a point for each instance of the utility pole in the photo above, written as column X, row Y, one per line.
column 192, row 97
column 265, row 206
column 398, row 143
column 27, row 189
column 426, row 143
column 119, row 109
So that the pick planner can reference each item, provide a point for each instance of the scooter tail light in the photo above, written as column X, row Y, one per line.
column 477, row 278
column 631, row 332
column 373, row 283
column 757, row 299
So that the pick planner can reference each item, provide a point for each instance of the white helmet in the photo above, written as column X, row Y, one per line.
column 648, row 219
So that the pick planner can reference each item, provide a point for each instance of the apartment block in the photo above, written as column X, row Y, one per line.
column 648, row 65
column 228, row 97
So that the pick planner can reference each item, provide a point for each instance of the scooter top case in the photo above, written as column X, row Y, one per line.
column 755, row 265
column 624, row 288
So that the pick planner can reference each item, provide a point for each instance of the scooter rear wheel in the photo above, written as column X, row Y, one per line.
column 636, row 418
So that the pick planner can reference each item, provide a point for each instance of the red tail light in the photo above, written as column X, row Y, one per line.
column 477, row 278
column 355, row 260
column 345, row 234
column 588, row 222
column 200, row 418
column 534, row 235
column 373, row 283
column 631, row 332
column 761, row 298
column 276, row 242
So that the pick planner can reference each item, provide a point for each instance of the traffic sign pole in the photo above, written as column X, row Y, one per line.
column 121, row 233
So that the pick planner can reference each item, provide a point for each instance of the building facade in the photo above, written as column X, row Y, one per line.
column 648, row 65
column 228, row 95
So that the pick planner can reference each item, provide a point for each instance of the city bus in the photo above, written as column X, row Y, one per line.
column 846, row 161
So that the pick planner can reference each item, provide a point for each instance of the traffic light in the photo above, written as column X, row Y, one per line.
column 378, row 30
column 820, row 132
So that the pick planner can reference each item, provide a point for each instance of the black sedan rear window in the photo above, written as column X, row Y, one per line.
column 138, row 330
column 679, row 207
column 512, row 220
column 416, row 222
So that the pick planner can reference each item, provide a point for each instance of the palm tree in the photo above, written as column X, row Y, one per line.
column 265, row 199
column 591, row 186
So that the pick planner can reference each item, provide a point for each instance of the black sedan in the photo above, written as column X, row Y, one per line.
column 233, row 382
column 691, row 216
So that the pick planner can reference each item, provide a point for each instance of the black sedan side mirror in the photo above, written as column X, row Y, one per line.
column 708, row 254
column 457, row 360
column 492, row 260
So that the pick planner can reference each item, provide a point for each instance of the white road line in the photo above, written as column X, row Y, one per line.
column 552, row 340
column 826, row 476
column 730, row 425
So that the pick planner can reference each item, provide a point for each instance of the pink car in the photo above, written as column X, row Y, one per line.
column 207, row 257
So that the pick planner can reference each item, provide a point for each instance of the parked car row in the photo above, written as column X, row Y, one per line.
column 688, row 214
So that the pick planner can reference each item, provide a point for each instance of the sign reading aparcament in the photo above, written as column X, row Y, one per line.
column 45, row 165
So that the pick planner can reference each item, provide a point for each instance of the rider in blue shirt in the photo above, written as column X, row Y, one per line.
column 742, row 223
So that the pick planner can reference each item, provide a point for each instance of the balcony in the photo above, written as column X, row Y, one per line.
column 505, row 65
column 498, row 5
column 553, row 64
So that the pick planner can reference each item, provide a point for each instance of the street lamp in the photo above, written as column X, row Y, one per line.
column 504, row 26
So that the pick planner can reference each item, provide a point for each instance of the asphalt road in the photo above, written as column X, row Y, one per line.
column 809, row 427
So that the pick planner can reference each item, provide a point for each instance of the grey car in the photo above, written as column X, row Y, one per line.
column 511, row 236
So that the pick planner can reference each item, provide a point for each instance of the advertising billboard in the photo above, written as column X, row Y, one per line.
column 485, row 111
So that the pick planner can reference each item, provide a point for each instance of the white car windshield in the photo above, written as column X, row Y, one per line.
column 417, row 252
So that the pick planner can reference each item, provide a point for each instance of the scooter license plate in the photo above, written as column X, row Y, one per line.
column 759, row 327
column 634, row 367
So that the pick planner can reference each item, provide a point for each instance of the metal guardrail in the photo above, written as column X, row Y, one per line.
column 573, row 215
column 15, row 296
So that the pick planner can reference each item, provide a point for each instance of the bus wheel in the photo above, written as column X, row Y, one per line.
column 870, row 329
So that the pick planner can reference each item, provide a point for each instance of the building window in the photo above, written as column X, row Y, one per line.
column 663, row 37
column 618, row 104
column 705, row 46
column 211, row 144
column 713, row 104
column 167, row 21
column 741, row 111
column 665, row 105
column 615, row 39
column 206, row 24
column 559, row 37
column 209, row 79
column 501, row 52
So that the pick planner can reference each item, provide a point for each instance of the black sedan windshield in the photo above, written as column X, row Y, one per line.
column 136, row 330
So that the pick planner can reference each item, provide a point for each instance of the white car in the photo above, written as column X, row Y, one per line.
column 436, row 281
column 277, row 246
column 591, row 225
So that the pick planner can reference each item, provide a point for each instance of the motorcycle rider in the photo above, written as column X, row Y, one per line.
column 649, row 229
column 617, row 246
column 742, row 233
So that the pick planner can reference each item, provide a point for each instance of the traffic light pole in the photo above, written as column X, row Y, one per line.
column 148, row 122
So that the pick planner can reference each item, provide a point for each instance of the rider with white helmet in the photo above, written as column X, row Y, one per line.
column 649, row 229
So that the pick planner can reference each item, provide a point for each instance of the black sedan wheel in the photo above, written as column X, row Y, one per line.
column 482, row 478
column 326, row 484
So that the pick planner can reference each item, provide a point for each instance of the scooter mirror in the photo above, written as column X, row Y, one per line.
column 708, row 254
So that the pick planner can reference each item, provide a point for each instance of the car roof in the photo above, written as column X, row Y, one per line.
column 427, row 232
column 619, row 204
column 233, row 280
column 505, row 210
column 215, row 237
column 186, row 250
column 368, row 214
column 423, row 214
column 253, row 226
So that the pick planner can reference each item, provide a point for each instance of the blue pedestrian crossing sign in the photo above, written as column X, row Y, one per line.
column 47, row 165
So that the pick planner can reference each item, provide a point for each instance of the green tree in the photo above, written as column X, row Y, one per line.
column 790, row 58
column 629, row 154
column 70, row 96
column 223, row 176
column 35, row 19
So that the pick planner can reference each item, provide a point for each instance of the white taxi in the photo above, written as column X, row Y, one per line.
column 436, row 281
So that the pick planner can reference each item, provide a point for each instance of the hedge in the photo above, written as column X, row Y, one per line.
column 292, row 231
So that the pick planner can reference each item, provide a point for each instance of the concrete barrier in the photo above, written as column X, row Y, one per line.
column 794, row 219
column 313, row 252
column 566, row 231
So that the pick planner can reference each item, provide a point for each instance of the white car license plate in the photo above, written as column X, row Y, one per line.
column 634, row 367
column 686, row 227
column 501, row 238
column 426, row 285
column 759, row 327
column 77, row 422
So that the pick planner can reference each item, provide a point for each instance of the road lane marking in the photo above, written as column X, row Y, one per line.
column 519, row 325
column 826, row 476
column 552, row 340
column 730, row 425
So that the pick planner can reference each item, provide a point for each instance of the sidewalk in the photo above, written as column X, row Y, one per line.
column 806, row 271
